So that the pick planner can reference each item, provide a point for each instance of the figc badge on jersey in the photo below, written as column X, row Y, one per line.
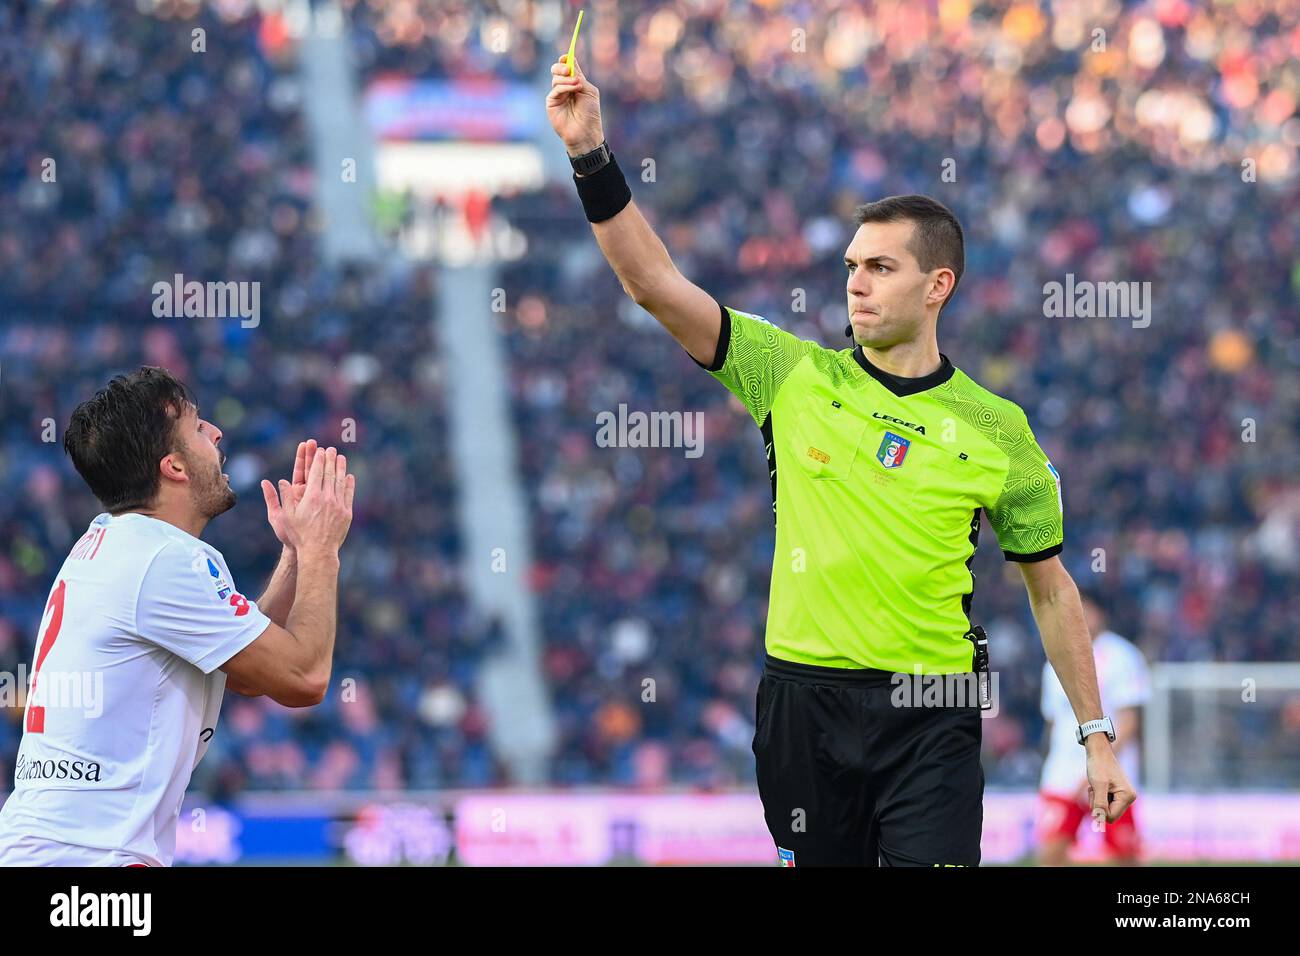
column 893, row 449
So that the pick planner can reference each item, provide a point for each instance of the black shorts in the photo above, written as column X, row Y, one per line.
column 847, row 778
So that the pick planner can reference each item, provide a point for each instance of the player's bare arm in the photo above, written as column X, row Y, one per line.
column 636, row 254
column 277, row 600
column 292, row 664
column 1054, row 599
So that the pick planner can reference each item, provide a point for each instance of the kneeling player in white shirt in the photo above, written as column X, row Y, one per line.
column 1123, row 681
column 144, row 628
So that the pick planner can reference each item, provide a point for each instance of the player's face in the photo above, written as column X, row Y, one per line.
column 209, row 486
column 886, row 288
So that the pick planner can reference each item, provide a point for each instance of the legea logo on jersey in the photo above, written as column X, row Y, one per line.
column 893, row 449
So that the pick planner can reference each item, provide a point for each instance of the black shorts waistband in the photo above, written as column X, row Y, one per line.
column 817, row 674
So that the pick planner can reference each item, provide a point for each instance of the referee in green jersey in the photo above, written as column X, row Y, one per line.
column 882, row 458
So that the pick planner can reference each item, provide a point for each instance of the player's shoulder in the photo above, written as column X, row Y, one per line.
column 189, row 554
column 186, row 571
column 161, row 551
column 118, row 546
column 1123, row 650
column 147, row 535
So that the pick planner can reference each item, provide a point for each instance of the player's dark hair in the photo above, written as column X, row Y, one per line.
column 117, row 438
column 937, row 240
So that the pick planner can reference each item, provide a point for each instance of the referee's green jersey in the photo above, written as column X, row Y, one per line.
column 878, row 482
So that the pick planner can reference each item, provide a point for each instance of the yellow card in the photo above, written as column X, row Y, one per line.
column 573, row 44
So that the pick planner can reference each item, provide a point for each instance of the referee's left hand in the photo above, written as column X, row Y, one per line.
column 1108, row 788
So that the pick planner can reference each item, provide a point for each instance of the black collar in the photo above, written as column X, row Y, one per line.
column 905, row 386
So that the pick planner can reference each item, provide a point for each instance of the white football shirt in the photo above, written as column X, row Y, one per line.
column 1124, row 681
column 123, row 695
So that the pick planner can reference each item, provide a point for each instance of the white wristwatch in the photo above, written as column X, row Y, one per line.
column 1093, row 727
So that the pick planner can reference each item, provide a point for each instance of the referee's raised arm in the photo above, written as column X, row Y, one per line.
column 636, row 254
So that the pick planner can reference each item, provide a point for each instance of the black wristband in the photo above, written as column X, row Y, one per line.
column 604, row 193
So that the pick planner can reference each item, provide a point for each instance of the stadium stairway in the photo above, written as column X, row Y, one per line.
column 492, row 514
column 494, row 518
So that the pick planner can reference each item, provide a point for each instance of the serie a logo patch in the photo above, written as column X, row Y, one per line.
column 785, row 857
column 224, row 590
column 893, row 449
column 1056, row 477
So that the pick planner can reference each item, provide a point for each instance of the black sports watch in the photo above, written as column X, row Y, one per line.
column 588, row 163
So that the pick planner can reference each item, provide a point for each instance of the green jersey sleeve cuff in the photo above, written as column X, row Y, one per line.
column 1043, row 555
column 720, row 351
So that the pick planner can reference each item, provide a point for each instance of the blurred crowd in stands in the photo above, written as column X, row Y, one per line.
column 1151, row 144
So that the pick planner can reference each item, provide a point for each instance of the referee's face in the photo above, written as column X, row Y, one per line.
column 886, row 287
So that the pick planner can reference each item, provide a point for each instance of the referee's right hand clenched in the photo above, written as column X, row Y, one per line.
column 573, row 106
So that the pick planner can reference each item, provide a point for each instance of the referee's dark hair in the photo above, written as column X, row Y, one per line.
column 937, row 240
column 117, row 438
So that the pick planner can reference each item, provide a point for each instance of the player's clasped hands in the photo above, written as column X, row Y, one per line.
column 290, row 491
column 312, row 513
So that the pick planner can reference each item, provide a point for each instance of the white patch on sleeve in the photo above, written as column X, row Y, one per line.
column 750, row 315
column 1056, row 477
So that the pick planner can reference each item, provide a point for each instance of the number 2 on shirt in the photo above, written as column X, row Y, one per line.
column 35, row 713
